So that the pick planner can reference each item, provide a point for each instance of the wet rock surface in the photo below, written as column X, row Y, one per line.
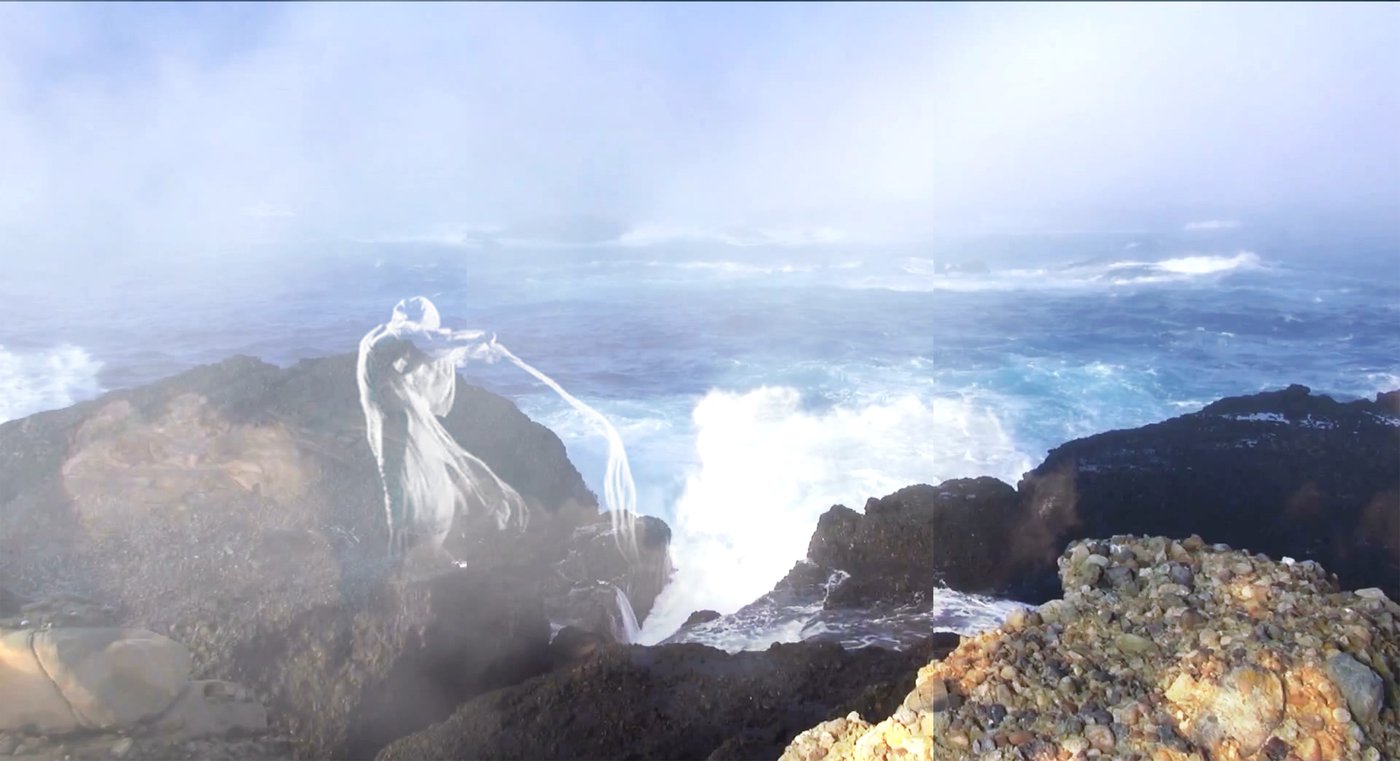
column 683, row 701
column 904, row 544
column 236, row 509
column 1256, row 659
column 1287, row 473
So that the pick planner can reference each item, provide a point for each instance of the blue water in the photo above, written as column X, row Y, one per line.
column 755, row 386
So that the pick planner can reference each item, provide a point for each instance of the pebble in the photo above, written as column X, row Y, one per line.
column 1161, row 650
column 1101, row 737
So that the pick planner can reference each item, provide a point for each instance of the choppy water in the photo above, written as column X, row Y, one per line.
column 756, row 385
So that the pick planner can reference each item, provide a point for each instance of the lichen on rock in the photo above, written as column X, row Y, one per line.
column 1163, row 650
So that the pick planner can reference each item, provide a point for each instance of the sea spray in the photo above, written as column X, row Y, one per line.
column 619, row 488
column 407, row 379
column 627, row 618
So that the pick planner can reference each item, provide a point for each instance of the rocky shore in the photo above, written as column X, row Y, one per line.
column 218, row 539
column 1159, row 649
column 235, row 509
column 1287, row 473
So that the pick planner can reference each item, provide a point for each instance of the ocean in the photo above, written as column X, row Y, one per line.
column 758, row 381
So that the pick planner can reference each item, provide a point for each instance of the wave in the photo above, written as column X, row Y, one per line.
column 570, row 234
column 767, row 467
column 743, row 268
column 788, row 617
column 918, row 274
column 646, row 236
column 47, row 379
column 1211, row 224
column 1199, row 265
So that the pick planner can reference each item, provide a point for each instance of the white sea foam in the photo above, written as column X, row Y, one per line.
column 767, row 469
column 45, row 379
column 1259, row 417
column 646, row 236
column 1211, row 224
column 928, row 275
column 1209, row 265
column 628, row 618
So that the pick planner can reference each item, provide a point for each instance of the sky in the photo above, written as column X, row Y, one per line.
column 180, row 130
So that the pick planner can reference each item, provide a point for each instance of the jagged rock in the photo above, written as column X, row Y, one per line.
column 700, row 617
column 237, row 508
column 593, row 554
column 672, row 701
column 905, row 544
column 1286, row 473
column 1251, row 679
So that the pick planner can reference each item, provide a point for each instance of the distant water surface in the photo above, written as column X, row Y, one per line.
column 755, row 386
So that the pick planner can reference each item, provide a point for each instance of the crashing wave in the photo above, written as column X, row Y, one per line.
column 44, row 380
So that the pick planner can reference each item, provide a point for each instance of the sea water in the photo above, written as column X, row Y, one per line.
column 754, row 385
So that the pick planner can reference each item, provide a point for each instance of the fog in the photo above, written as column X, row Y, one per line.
column 187, row 131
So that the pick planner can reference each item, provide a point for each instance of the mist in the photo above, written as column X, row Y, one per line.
column 186, row 131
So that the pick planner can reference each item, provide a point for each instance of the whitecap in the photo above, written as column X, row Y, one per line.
column 46, row 379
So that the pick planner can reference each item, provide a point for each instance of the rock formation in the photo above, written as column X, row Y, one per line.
column 1160, row 649
column 1286, row 473
column 671, row 702
column 91, row 690
column 236, row 509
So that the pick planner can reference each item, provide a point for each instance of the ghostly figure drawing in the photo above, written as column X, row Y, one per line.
column 408, row 378
column 407, row 374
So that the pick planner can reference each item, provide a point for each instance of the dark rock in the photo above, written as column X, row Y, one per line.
column 592, row 553
column 700, row 617
column 1284, row 473
column 683, row 701
column 237, row 509
column 572, row 644
column 10, row 603
column 909, row 542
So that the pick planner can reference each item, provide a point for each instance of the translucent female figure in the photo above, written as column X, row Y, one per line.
column 407, row 375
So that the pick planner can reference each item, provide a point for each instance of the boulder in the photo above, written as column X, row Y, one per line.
column 1242, row 667
column 907, row 543
column 1363, row 688
column 113, row 677
column 236, row 508
column 30, row 698
column 682, row 701
column 66, row 679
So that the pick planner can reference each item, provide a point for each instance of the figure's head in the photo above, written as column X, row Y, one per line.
column 416, row 313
